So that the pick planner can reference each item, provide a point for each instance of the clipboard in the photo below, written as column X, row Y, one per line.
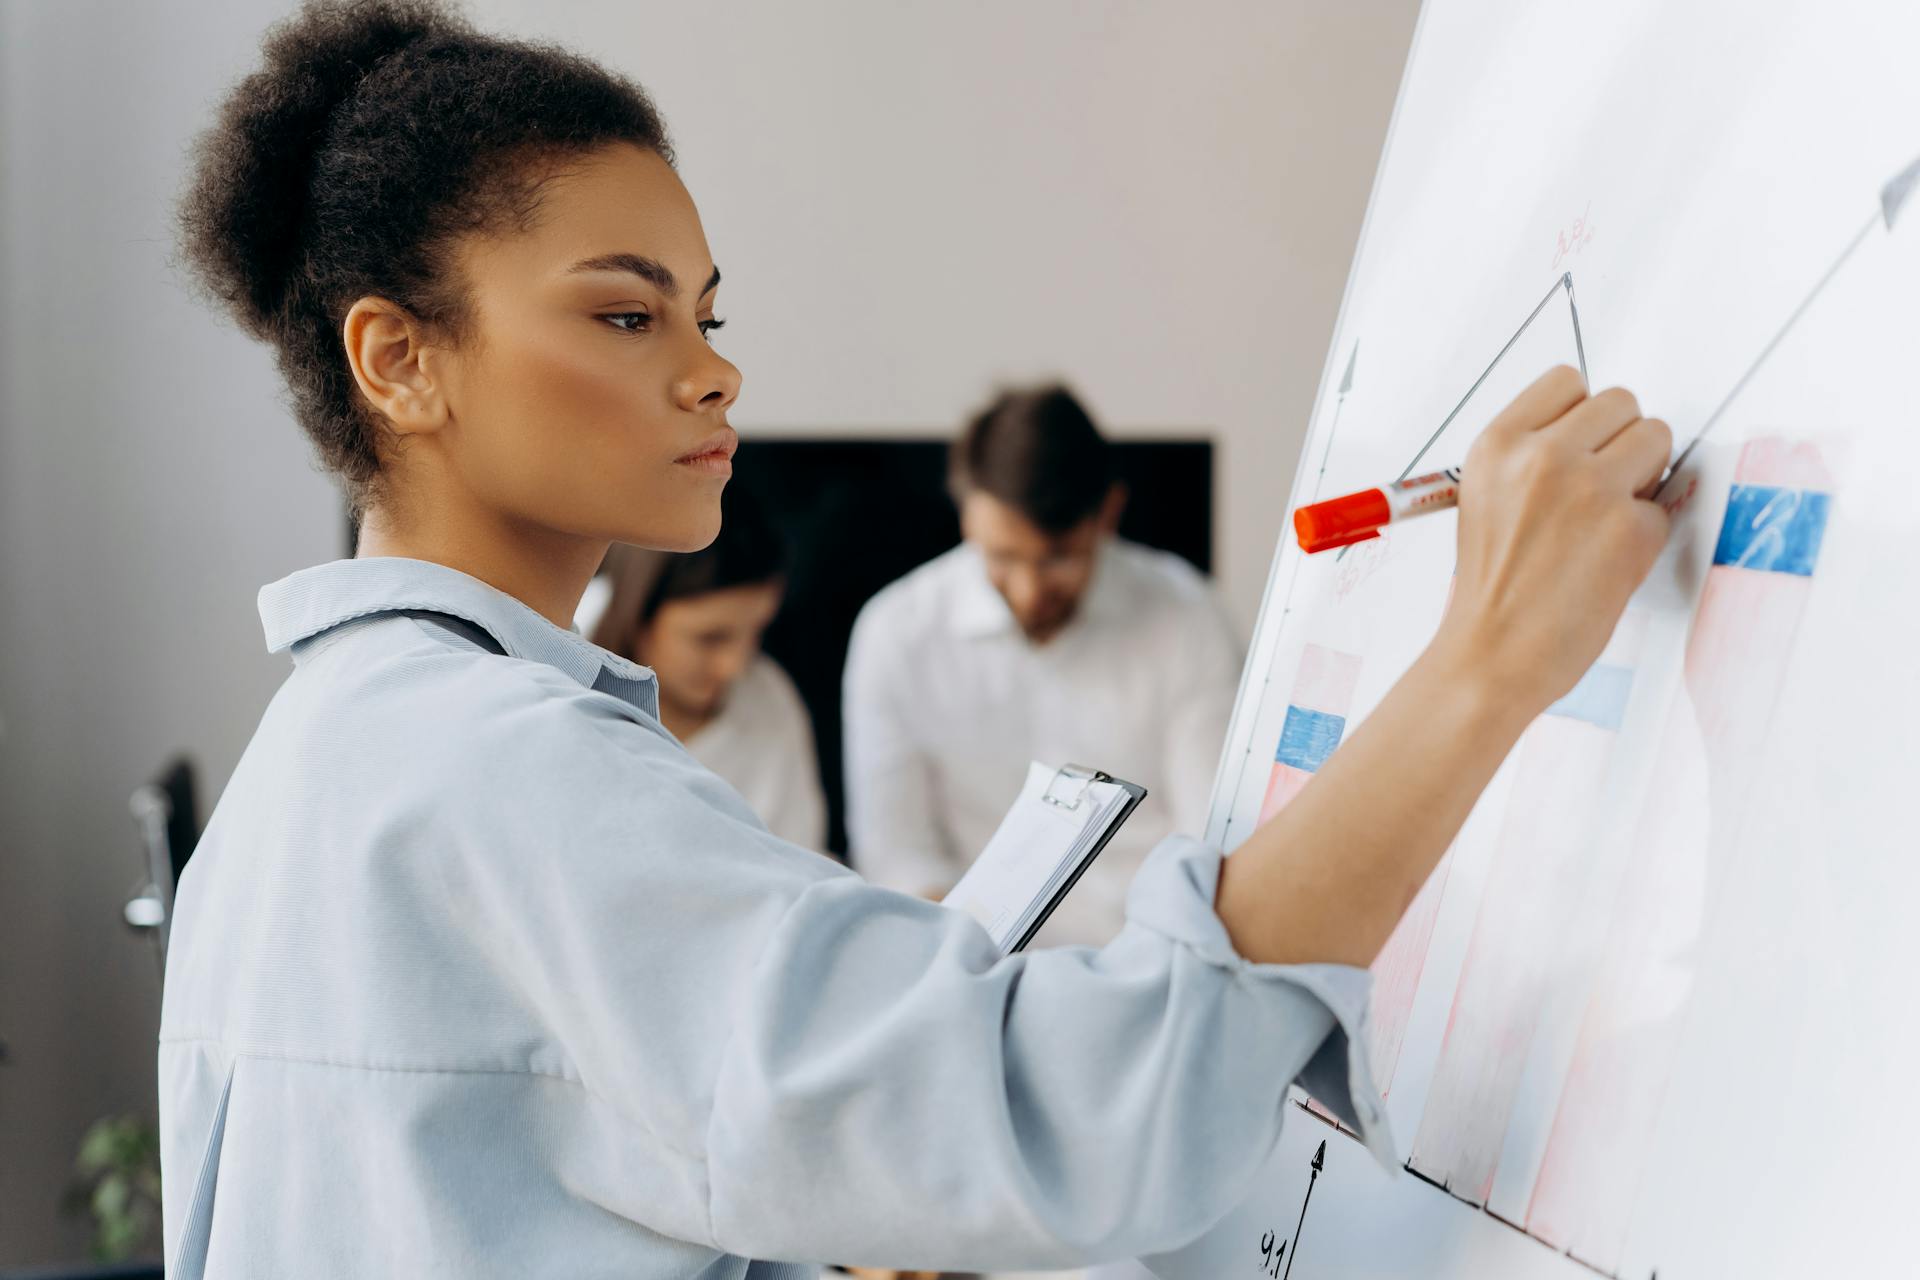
column 1044, row 845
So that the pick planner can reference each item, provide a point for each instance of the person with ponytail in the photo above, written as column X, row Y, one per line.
column 477, row 972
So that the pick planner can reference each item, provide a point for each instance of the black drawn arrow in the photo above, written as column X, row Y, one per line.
column 1319, row 1162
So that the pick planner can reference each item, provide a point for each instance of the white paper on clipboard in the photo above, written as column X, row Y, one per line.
column 1059, row 823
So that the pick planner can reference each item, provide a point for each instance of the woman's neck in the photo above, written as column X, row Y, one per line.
column 681, row 722
column 545, row 570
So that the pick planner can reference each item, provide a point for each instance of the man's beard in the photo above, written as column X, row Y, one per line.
column 1050, row 624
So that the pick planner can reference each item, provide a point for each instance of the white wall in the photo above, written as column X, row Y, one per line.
column 910, row 201
column 149, row 481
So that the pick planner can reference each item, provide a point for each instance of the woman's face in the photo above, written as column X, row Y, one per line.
column 588, row 400
column 700, row 645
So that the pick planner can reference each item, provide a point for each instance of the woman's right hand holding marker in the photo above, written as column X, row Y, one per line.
column 1556, row 532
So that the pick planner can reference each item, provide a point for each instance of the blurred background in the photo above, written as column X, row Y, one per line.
column 913, row 203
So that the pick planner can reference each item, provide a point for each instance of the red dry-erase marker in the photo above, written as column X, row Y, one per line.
column 1359, row 516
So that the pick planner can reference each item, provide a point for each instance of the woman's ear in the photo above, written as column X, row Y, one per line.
column 389, row 361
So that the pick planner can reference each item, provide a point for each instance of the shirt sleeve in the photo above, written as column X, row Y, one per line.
column 893, row 835
column 831, row 1071
column 907, row 1097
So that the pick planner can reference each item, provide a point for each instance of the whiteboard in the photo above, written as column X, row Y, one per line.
column 1654, row 1012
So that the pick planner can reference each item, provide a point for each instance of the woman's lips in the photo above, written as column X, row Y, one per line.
column 713, row 464
column 714, row 455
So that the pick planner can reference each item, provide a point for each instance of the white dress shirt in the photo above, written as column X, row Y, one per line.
column 762, row 743
column 477, row 973
column 946, row 702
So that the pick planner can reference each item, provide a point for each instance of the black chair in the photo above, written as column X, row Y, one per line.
column 167, row 813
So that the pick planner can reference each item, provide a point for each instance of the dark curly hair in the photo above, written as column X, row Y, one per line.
column 377, row 134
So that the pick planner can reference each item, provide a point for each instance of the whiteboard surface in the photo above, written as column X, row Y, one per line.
column 1654, row 1011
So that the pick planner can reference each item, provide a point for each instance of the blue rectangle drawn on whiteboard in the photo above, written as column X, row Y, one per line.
column 1775, row 529
column 1600, row 697
column 1308, row 738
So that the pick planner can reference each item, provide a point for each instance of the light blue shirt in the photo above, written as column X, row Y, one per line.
column 449, row 994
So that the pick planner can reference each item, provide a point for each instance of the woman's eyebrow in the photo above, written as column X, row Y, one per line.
column 646, row 268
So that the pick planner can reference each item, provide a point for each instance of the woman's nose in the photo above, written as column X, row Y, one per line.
column 711, row 381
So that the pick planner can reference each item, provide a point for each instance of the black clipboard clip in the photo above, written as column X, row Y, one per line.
column 1068, row 774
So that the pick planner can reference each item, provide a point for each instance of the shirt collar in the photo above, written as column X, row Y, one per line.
column 312, row 601
column 979, row 610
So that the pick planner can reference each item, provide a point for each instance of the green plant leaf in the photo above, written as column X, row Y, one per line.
column 96, row 1147
column 110, row 1197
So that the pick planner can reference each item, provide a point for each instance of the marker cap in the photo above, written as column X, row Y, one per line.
column 1340, row 521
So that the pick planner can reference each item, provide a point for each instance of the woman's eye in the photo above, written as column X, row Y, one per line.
column 708, row 326
column 640, row 318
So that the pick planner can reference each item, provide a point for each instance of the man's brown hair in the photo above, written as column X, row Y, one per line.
column 1038, row 451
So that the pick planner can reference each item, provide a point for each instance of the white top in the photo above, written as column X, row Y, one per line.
column 477, row 973
column 762, row 742
column 947, row 701
column 593, row 604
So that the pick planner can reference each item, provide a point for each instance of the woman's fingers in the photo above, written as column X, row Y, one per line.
column 1543, row 403
column 1596, row 420
column 1636, row 456
column 1552, row 542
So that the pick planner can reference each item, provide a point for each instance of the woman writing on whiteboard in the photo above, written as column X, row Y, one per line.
column 477, row 972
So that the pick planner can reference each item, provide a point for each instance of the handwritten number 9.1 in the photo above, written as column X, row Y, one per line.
column 1272, row 1253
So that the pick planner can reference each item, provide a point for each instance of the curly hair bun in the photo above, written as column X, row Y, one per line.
column 375, row 135
column 243, row 229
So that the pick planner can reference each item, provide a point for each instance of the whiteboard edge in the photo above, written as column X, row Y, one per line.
column 1225, row 776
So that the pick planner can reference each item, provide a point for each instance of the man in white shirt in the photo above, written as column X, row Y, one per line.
column 1042, row 637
